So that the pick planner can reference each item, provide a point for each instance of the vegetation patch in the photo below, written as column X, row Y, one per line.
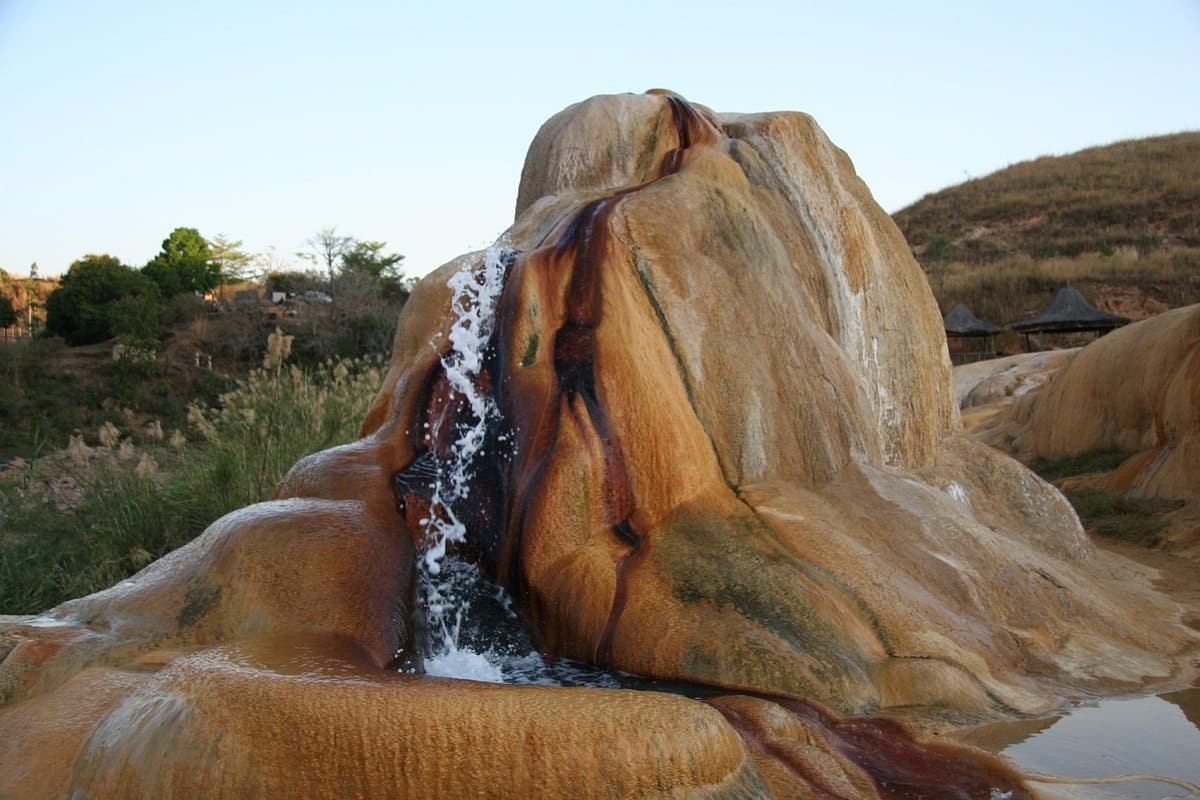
column 1124, row 217
column 1102, row 460
column 1140, row 194
column 1138, row 520
column 76, row 520
column 531, row 349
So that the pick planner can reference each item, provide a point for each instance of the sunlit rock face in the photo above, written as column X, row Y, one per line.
column 1136, row 389
column 735, row 453
column 718, row 446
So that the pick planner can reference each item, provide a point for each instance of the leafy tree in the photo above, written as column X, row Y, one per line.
column 234, row 263
column 79, row 310
column 294, row 281
column 185, row 264
column 8, row 314
column 368, row 258
column 137, row 318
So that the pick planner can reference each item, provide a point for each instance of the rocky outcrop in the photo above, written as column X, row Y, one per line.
column 1133, row 391
column 1002, row 381
column 731, row 467
column 722, row 451
column 312, row 717
column 253, row 662
column 1138, row 390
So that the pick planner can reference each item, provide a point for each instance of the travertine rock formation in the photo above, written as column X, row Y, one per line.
column 736, row 464
column 1136, row 389
column 1002, row 381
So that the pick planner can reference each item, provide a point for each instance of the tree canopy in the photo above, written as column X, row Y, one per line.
column 100, row 297
column 369, row 259
column 8, row 314
column 341, row 254
column 81, row 310
column 234, row 263
column 185, row 264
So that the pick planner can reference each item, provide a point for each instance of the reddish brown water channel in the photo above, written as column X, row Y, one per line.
column 1157, row 735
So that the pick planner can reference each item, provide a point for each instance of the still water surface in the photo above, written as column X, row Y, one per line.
column 1148, row 735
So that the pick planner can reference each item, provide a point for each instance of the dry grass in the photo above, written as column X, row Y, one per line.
column 1018, row 286
column 1124, row 216
column 1143, row 193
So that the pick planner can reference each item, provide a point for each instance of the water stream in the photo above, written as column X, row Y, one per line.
column 471, row 630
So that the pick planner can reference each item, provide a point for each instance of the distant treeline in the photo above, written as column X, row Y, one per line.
column 100, row 298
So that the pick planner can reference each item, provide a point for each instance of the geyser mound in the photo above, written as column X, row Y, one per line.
column 737, row 460
column 700, row 427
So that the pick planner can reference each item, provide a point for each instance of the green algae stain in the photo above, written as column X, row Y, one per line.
column 735, row 563
column 531, row 350
column 197, row 603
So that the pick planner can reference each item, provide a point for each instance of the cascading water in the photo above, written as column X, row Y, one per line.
column 444, row 582
column 470, row 628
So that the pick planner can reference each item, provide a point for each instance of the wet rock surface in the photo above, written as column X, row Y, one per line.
column 720, row 448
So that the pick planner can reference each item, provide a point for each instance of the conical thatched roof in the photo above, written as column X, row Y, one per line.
column 1069, row 311
column 961, row 322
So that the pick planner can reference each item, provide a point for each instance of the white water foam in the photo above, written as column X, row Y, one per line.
column 956, row 491
column 471, row 629
column 442, row 580
column 465, row 664
column 474, row 303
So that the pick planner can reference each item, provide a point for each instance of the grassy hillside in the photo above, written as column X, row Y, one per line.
column 1122, row 222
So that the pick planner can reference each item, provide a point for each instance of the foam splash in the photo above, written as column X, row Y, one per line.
column 443, row 582
column 465, row 664
column 471, row 629
column 956, row 491
column 474, row 304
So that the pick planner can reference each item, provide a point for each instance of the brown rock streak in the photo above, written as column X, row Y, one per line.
column 583, row 242
column 763, row 741
column 905, row 769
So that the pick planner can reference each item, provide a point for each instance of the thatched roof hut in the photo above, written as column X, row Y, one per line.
column 961, row 322
column 963, row 326
column 1069, row 312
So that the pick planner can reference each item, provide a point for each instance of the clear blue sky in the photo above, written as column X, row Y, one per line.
column 409, row 122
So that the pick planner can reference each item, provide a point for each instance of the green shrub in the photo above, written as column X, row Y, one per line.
column 1102, row 460
column 940, row 248
column 1115, row 516
column 80, row 310
column 123, row 507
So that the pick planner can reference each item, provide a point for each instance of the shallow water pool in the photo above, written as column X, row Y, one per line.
column 1157, row 735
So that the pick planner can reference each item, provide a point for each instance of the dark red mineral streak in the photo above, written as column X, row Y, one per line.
column 903, row 768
